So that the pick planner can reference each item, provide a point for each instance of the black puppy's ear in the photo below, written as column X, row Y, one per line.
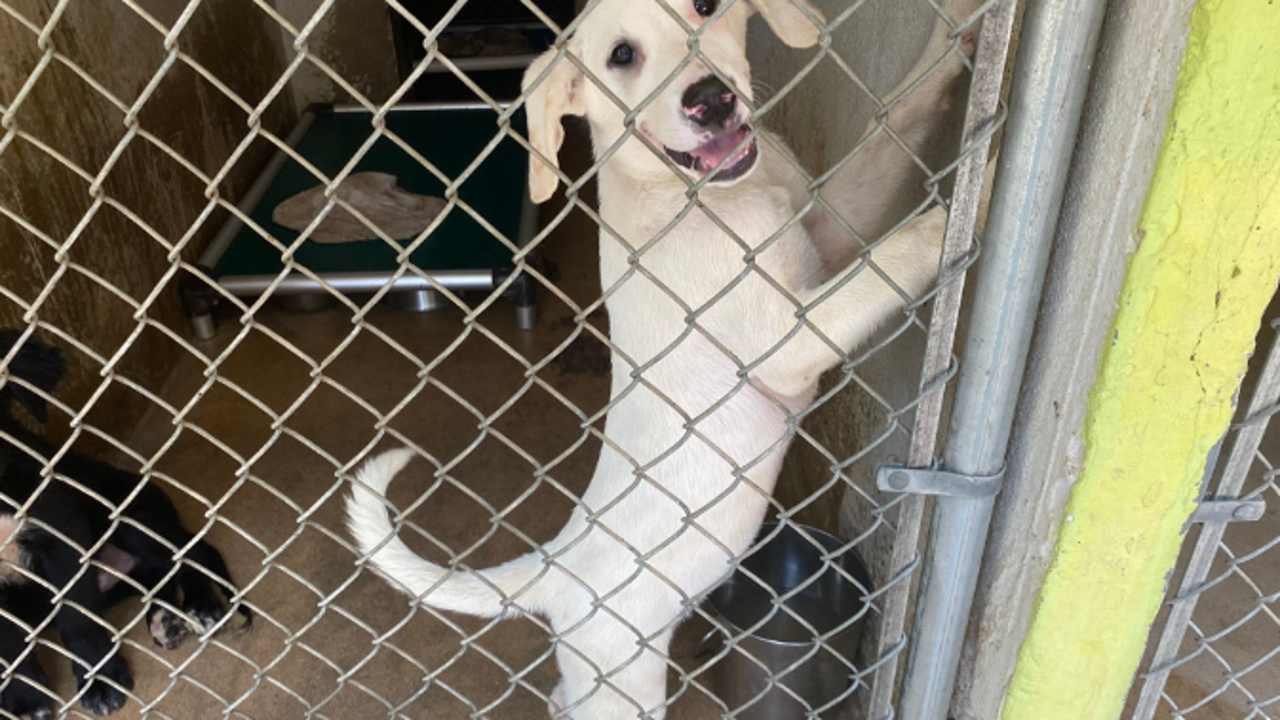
column 36, row 363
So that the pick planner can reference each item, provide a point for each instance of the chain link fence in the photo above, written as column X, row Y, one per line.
column 1214, row 652
column 257, row 434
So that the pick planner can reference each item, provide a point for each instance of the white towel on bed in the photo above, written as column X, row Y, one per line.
column 396, row 212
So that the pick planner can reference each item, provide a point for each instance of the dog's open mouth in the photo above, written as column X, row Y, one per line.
column 728, row 147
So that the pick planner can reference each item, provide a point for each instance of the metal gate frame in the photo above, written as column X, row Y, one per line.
column 1050, row 77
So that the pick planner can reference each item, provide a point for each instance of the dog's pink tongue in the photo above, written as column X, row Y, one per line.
column 714, row 152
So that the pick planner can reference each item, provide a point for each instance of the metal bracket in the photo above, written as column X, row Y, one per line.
column 930, row 481
column 1224, row 511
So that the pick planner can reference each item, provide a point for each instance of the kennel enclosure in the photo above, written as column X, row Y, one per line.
column 143, row 150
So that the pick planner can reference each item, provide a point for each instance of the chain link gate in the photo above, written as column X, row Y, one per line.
column 314, row 675
column 1215, row 654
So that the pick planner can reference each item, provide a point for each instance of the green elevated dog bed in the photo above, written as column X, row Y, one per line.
column 460, row 254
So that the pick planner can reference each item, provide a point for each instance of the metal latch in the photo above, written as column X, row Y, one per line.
column 1221, row 511
column 932, row 481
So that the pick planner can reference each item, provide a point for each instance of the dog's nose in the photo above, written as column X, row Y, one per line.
column 709, row 102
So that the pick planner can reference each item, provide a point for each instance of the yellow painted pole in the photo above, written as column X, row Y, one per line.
column 1207, row 264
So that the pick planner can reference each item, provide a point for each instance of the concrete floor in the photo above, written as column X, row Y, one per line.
column 331, row 642
column 312, row 651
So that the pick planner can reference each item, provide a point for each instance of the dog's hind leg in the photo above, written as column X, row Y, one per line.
column 610, row 674
column 24, row 687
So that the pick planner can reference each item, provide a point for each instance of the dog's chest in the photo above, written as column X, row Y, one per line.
column 691, row 259
column 12, row 556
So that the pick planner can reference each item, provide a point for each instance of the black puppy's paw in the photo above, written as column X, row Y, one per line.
column 208, row 613
column 205, row 617
column 167, row 629
column 103, row 698
column 26, row 702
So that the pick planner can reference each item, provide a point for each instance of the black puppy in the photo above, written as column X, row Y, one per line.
column 42, row 552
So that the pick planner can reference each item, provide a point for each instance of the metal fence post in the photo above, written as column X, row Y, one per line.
column 1051, row 75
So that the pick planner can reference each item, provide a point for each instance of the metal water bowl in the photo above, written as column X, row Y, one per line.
column 796, row 664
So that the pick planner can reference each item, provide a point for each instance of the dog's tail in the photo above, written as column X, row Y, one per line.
column 36, row 364
column 492, row 592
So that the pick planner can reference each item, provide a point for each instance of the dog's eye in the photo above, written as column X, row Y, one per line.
column 704, row 7
column 622, row 55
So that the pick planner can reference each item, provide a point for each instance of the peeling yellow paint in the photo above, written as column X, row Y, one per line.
column 1206, row 265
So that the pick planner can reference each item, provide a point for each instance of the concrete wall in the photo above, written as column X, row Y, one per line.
column 1206, row 247
column 123, row 53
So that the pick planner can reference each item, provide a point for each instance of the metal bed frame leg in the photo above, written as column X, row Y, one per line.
column 525, row 297
column 418, row 301
column 198, row 300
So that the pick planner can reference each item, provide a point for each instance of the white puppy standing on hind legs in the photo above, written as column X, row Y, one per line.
column 697, row 441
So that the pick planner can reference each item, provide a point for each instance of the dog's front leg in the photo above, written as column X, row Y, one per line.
column 847, row 309
column 863, row 190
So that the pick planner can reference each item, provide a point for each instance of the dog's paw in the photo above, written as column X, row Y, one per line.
column 203, row 620
column 169, row 629
column 25, row 702
column 206, row 617
column 166, row 628
column 102, row 697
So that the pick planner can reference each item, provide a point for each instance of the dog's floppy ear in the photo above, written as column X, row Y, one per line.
column 559, row 94
column 790, row 21
column 35, row 362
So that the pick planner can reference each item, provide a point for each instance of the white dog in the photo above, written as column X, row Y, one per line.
column 711, row 357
